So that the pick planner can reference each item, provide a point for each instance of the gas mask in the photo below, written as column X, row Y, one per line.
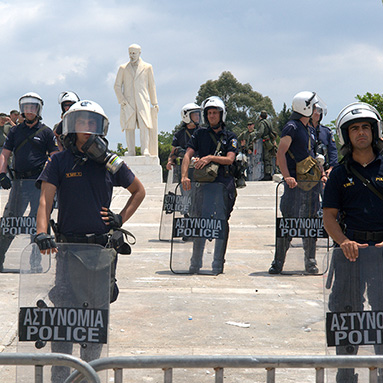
column 96, row 148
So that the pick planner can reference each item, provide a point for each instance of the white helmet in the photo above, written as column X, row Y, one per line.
column 85, row 117
column 303, row 103
column 31, row 98
column 67, row 97
column 358, row 111
column 187, row 110
column 213, row 102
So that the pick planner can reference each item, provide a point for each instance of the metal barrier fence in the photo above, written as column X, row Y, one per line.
column 41, row 360
column 219, row 363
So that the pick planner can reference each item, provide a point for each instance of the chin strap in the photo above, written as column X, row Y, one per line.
column 80, row 158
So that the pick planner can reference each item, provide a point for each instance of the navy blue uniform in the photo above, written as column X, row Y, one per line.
column 345, row 192
column 327, row 139
column 363, row 215
column 203, row 143
column 297, row 203
column 82, row 190
column 300, row 143
column 31, row 156
column 182, row 137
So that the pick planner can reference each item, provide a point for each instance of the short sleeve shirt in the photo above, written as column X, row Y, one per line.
column 202, row 142
column 82, row 190
column 182, row 137
column 345, row 192
column 34, row 152
column 299, row 147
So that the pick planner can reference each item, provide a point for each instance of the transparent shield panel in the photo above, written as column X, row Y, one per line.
column 65, row 307
column 255, row 170
column 169, row 203
column 301, row 241
column 354, row 307
column 200, row 230
column 18, row 210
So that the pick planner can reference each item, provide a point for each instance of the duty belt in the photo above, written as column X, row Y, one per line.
column 367, row 236
column 26, row 175
column 99, row 239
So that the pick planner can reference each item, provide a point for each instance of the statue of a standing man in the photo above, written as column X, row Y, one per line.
column 135, row 90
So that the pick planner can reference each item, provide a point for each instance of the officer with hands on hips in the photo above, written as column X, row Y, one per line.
column 84, row 178
column 354, row 191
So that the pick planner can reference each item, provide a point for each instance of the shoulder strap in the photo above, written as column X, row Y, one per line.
column 270, row 131
column 309, row 145
column 215, row 141
column 29, row 138
column 366, row 182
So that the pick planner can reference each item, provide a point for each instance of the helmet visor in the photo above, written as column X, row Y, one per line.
column 84, row 122
column 30, row 105
column 195, row 116
column 320, row 104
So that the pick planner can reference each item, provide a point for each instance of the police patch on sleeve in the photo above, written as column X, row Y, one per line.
column 234, row 143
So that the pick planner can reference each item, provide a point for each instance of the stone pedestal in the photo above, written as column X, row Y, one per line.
column 146, row 168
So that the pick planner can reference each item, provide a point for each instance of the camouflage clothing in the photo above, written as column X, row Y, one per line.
column 3, row 136
column 249, row 138
column 265, row 131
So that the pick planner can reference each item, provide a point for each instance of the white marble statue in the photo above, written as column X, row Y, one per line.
column 135, row 90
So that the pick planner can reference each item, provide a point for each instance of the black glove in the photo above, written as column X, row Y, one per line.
column 114, row 220
column 5, row 182
column 45, row 241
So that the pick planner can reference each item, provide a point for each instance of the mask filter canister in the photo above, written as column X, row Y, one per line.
column 96, row 148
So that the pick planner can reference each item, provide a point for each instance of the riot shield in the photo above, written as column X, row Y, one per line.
column 200, row 230
column 65, row 307
column 171, row 203
column 354, row 308
column 301, row 242
column 18, row 210
column 256, row 166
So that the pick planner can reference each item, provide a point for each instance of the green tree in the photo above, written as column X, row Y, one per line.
column 376, row 100
column 241, row 101
column 121, row 150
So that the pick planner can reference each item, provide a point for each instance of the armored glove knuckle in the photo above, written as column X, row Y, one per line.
column 5, row 182
column 45, row 241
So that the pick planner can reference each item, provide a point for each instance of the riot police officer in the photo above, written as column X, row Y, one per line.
column 204, row 141
column 296, row 144
column 83, row 176
column 354, row 192
column 191, row 116
column 325, row 142
column 65, row 100
column 30, row 142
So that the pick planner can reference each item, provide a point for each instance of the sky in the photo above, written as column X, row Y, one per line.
column 279, row 47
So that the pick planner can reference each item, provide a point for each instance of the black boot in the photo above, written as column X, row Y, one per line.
column 281, row 248
column 346, row 375
column 309, row 246
column 276, row 267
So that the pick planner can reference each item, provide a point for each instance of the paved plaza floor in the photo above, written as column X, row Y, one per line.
column 244, row 311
